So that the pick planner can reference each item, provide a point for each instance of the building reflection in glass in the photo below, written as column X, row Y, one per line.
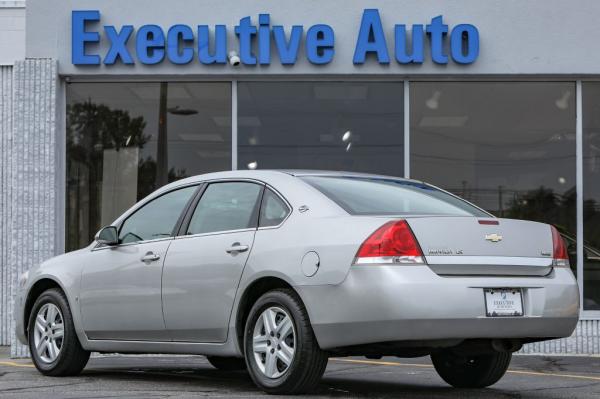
column 125, row 140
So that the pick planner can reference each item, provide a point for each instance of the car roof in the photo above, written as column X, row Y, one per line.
column 268, row 174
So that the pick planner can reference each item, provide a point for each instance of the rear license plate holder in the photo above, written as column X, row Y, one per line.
column 503, row 302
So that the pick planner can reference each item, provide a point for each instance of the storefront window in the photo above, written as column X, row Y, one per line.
column 124, row 140
column 354, row 126
column 509, row 147
column 591, row 196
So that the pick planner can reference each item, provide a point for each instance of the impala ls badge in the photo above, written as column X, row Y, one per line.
column 493, row 237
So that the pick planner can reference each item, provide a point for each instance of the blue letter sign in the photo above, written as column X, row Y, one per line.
column 79, row 37
column 260, row 43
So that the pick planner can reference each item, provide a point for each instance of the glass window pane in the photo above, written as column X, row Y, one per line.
column 125, row 140
column 355, row 126
column 226, row 206
column 591, row 196
column 508, row 147
column 381, row 196
column 273, row 210
column 158, row 218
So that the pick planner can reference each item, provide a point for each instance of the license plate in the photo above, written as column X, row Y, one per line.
column 503, row 302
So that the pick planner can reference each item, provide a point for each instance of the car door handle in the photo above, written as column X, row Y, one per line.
column 150, row 257
column 236, row 248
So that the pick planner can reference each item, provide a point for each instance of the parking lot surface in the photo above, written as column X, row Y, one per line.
column 117, row 376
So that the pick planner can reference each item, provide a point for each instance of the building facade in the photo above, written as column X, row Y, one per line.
column 108, row 100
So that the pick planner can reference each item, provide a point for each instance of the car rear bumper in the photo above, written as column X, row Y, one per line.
column 403, row 303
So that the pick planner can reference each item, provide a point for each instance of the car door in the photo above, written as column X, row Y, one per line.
column 121, row 285
column 205, row 262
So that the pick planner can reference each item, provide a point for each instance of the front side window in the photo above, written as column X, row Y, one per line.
column 226, row 207
column 384, row 196
column 157, row 219
column 273, row 210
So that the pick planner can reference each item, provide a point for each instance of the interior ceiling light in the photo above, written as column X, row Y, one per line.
column 347, row 136
column 563, row 101
column 443, row 121
column 182, row 111
column 340, row 92
column 433, row 102
column 206, row 137
column 326, row 138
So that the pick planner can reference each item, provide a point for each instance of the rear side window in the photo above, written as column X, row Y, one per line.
column 226, row 206
column 273, row 210
column 381, row 196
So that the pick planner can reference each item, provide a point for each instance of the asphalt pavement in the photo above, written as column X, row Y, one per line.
column 117, row 376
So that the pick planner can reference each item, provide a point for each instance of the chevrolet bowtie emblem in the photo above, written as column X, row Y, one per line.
column 493, row 237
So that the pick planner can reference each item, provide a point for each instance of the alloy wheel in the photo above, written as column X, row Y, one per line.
column 274, row 342
column 48, row 332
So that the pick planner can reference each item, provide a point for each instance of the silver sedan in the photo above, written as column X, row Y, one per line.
column 275, row 271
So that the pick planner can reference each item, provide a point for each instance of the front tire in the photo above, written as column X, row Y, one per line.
column 282, row 353
column 477, row 371
column 53, row 342
column 227, row 363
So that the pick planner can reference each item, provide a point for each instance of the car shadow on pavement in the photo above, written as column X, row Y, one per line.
column 207, row 381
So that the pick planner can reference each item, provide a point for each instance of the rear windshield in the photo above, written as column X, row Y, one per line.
column 383, row 196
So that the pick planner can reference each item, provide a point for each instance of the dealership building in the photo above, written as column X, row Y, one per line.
column 104, row 101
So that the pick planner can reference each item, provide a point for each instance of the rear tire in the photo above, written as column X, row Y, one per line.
column 477, row 371
column 53, row 342
column 227, row 363
column 289, row 361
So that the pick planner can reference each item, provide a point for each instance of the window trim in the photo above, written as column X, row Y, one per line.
column 181, row 232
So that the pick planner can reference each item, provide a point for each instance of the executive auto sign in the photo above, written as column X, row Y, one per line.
column 183, row 44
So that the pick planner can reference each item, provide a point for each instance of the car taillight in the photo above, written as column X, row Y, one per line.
column 560, row 257
column 392, row 243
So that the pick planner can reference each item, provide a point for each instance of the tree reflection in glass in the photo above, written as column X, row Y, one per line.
column 125, row 140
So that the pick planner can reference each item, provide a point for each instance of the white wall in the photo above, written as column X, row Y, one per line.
column 12, row 31
column 533, row 37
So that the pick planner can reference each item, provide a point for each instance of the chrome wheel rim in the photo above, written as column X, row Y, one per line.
column 274, row 342
column 49, row 332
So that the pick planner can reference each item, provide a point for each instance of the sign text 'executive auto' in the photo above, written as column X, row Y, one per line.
column 183, row 44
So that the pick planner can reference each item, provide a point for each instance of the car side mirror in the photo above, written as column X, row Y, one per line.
column 108, row 236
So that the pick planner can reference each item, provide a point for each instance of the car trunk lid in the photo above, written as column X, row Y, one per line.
column 476, row 246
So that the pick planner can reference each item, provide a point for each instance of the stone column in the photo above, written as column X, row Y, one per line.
column 34, row 163
column 6, row 130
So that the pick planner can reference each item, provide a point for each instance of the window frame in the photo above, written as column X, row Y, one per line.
column 191, row 208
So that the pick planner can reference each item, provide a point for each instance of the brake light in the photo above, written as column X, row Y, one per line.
column 489, row 222
column 560, row 257
column 392, row 243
